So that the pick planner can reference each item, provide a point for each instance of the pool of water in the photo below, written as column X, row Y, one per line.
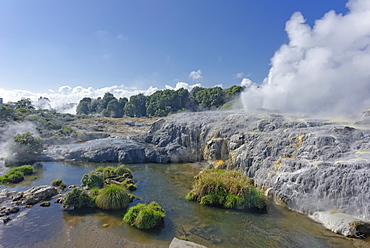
column 166, row 184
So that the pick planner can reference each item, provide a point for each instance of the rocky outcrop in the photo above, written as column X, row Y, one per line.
column 12, row 201
column 310, row 165
column 105, row 150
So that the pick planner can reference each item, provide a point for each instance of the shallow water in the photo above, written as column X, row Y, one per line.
column 168, row 185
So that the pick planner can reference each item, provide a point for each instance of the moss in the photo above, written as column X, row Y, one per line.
column 112, row 197
column 228, row 189
column 58, row 183
column 16, row 174
column 145, row 216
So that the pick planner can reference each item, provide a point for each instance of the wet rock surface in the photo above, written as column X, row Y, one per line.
column 12, row 201
column 311, row 165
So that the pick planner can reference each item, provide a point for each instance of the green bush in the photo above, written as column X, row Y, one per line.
column 58, row 183
column 228, row 189
column 112, row 197
column 145, row 216
column 93, row 179
column 76, row 198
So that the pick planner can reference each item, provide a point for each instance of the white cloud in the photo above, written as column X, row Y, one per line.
column 247, row 83
column 239, row 75
column 184, row 85
column 122, row 37
column 196, row 75
column 324, row 69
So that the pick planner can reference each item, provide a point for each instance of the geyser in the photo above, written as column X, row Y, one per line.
column 323, row 69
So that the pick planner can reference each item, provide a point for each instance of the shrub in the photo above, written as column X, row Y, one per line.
column 228, row 189
column 145, row 216
column 112, row 197
column 93, row 179
column 58, row 183
column 76, row 198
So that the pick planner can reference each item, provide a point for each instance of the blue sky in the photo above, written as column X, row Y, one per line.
column 47, row 44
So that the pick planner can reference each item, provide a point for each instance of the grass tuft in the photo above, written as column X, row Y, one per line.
column 228, row 189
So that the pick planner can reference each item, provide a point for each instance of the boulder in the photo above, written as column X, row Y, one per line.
column 178, row 243
column 38, row 194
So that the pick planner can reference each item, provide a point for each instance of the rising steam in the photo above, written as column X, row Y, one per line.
column 324, row 69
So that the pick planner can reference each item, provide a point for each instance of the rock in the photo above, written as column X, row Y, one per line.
column 344, row 224
column 45, row 204
column 7, row 195
column 37, row 194
column 6, row 219
column 312, row 165
column 106, row 150
column 178, row 243
column 6, row 210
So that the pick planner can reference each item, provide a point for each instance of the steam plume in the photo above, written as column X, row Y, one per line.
column 323, row 69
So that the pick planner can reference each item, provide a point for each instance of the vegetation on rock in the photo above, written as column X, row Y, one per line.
column 58, row 183
column 228, row 189
column 76, row 198
column 93, row 179
column 145, row 216
column 112, row 197
column 16, row 175
column 106, row 175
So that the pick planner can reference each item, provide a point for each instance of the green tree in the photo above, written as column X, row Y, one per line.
column 115, row 109
column 24, row 103
column 136, row 107
column 210, row 98
column 7, row 112
column 24, row 148
column 106, row 99
column 83, row 107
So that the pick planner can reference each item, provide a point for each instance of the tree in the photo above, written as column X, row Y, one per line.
column 106, row 99
column 24, row 103
column 211, row 97
column 24, row 148
column 7, row 112
column 136, row 107
column 83, row 107
column 115, row 109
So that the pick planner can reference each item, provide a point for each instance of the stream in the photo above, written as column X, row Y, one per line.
column 166, row 184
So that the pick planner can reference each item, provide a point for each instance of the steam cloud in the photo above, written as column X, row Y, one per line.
column 324, row 69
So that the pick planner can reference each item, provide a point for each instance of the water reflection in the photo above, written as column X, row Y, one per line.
column 167, row 185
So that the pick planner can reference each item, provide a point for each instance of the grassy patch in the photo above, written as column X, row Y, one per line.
column 112, row 197
column 145, row 216
column 16, row 174
column 228, row 189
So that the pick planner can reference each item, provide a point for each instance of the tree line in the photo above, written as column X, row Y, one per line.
column 160, row 103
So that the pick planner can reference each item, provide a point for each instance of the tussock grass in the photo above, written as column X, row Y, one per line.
column 145, row 216
column 228, row 189
column 112, row 197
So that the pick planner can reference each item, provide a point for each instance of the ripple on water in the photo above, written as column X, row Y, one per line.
column 168, row 185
